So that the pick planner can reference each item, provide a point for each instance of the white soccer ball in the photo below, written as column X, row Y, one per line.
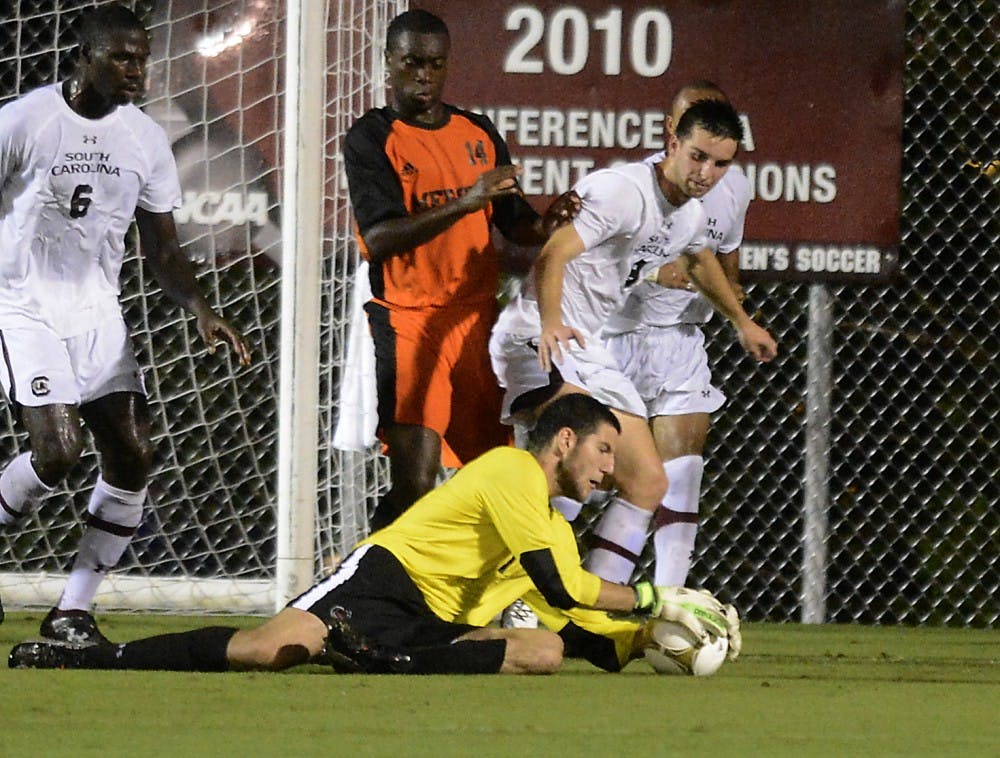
column 674, row 650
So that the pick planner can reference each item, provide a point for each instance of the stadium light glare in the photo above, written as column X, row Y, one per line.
column 216, row 43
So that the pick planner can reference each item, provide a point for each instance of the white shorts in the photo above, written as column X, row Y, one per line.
column 669, row 368
column 592, row 368
column 40, row 368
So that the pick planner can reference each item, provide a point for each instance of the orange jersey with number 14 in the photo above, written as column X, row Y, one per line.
column 397, row 168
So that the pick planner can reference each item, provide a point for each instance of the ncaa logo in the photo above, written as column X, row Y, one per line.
column 40, row 386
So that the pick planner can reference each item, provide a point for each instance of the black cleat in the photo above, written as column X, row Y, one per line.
column 44, row 654
column 72, row 627
column 348, row 651
column 1, row 611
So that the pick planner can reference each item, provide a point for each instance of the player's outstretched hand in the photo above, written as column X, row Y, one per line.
column 553, row 340
column 671, row 604
column 758, row 342
column 212, row 327
column 699, row 611
column 720, row 619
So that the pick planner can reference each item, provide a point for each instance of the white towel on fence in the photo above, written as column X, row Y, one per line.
column 357, row 401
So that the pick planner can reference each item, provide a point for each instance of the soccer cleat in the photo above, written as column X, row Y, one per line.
column 45, row 654
column 72, row 627
column 348, row 651
column 1, row 611
column 518, row 615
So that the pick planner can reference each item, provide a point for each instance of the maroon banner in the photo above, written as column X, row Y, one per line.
column 576, row 87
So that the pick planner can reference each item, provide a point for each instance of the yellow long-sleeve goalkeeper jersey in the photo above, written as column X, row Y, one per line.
column 489, row 523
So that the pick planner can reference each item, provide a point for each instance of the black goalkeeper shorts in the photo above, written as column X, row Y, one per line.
column 385, row 604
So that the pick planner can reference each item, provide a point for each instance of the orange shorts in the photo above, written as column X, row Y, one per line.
column 433, row 370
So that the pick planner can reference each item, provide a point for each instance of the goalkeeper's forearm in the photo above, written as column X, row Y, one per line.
column 615, row 597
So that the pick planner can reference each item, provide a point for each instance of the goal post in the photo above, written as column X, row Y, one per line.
column 302, row 237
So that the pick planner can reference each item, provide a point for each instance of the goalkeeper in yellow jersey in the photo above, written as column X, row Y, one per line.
column 416, row 596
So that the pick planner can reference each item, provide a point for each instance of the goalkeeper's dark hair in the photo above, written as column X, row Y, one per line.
column 416, row 22
column 581, row 413
column 716, row 117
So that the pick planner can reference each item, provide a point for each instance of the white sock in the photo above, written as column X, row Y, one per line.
column 599, row 498
column 618, row 541
column 571, row 508
column 676, row 524
column 567, row 506
column 114, row 515
column 521, row 435
column 20, row 489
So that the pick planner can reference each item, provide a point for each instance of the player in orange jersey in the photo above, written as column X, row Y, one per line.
column 428, row 181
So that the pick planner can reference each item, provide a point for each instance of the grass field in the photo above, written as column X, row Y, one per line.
column 796, row 691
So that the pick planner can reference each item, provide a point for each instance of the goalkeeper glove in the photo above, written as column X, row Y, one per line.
column 661, row 602
column 696, row 610
column 735, row 637
column 720, row 619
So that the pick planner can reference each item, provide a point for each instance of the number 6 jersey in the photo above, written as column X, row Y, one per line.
column 69, row 187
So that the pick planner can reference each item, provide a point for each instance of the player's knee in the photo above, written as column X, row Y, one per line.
column 130, row 462
column 658, row 484
column 533, row 651
column 55, row 456
column 646, row 491
column 138, row 453
column 549, row 654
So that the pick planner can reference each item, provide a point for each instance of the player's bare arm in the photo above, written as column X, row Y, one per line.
column 615, row 597
column 398, row 235
column 562, row 247
column 730, row 263
column 672, row 275
column 174, row 274
column 706, row 272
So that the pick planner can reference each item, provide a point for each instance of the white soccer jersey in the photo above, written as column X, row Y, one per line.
column 649, row 304
column 69, row 187
column 627, row 227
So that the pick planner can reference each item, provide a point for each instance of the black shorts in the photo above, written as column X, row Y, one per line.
column 385, row 604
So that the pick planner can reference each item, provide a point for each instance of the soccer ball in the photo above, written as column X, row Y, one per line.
column 673, row 649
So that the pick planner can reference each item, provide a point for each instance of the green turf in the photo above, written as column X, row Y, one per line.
column 797, row 691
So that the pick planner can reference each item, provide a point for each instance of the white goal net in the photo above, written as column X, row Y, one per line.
column 216, row 84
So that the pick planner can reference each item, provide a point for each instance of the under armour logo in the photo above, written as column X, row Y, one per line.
column 706, row 393
column 40, row 386
column 90, row 139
